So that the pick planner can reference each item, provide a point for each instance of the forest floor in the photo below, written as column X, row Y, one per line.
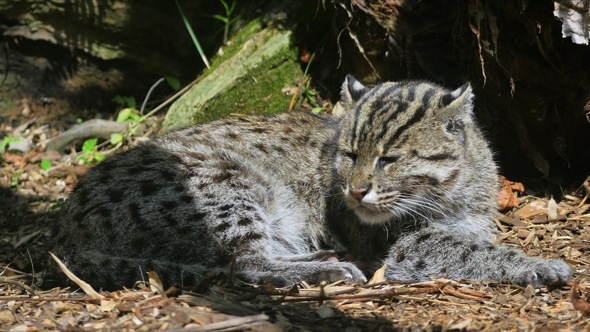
column 31, row 191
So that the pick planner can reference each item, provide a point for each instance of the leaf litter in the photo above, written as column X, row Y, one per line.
column 30, row 195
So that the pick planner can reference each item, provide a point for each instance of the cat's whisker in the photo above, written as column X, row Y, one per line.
column 408, row 210
column 428, row 202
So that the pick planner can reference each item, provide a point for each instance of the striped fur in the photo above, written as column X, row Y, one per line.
column 412, row 158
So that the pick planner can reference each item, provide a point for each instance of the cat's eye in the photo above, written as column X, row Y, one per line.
column 386, row 160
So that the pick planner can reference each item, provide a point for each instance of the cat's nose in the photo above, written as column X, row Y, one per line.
column 359, row 192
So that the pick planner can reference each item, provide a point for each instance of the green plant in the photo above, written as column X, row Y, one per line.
column 318, row 110
column 125, row 101
column 89, row 152
column 5, row 142
column 57, row 204
column 45, row 164
column 309, row 93
column 173, row 82
column 14, row 179
column 311, row 96
column 227, row 19
column 192, row 34
column 133, row 117
column 129, row 114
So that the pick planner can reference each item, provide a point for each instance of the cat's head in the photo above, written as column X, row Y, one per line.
column 402, row 147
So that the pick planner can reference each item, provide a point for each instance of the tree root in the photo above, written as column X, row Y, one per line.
column 92, row 128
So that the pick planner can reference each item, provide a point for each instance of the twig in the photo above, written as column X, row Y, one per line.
column 369, row 296
column 19, row 272
column 415, row 298
column 81, row 283
column 296, row 94
column 32, row 266
column 47, row 299
column 228, row 325
column 166, row 102
column 147, row 96
column 17, row 283
column 357, row 41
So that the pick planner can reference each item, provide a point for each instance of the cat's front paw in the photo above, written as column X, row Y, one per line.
column 549, row 272
column 335, row 271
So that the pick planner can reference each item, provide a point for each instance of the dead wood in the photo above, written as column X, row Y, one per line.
column 92, row 128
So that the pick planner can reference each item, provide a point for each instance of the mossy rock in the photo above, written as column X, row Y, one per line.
column 246, row 79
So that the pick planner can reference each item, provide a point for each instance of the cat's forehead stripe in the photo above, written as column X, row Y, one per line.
column 419, row 112
column 375, row 103
column 389, row 110
column 359, row 124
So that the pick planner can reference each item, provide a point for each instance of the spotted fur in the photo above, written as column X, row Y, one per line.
column 404, row 177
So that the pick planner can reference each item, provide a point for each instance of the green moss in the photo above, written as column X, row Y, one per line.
column 236, row 44
column 248, row 81
column 257, row 93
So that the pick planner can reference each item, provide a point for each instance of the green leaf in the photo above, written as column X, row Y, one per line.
column 173, row 82
column 189, row 28
column 116, row 138
column 79, row 120
column 232, row 7
column 130, row 101
column 98, row 156
column 14, row 179
column 119, row 100
column 124, row 114
column 135, row 117
column 9, row 139
column 225, row 5
column 317, row 110
column 45, row 164
column 221, row 18
column 89, row 145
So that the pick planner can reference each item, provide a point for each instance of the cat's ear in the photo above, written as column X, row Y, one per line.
column 459, row 103
column 460, row 97
column 352, row 90
column 458, row 106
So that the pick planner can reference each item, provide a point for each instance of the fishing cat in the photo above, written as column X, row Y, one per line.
column 403, row 177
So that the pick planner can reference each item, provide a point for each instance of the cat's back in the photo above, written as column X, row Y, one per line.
column 276, row 142
column 149, row 196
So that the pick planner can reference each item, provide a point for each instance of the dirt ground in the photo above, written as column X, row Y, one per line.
column 30, row 196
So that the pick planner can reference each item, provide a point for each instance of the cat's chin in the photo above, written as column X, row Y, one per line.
column 368, row 216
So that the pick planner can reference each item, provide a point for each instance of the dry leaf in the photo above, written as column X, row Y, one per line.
column 579, row 303
column 378, row 276
column 507, row 197
column 156, row 284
